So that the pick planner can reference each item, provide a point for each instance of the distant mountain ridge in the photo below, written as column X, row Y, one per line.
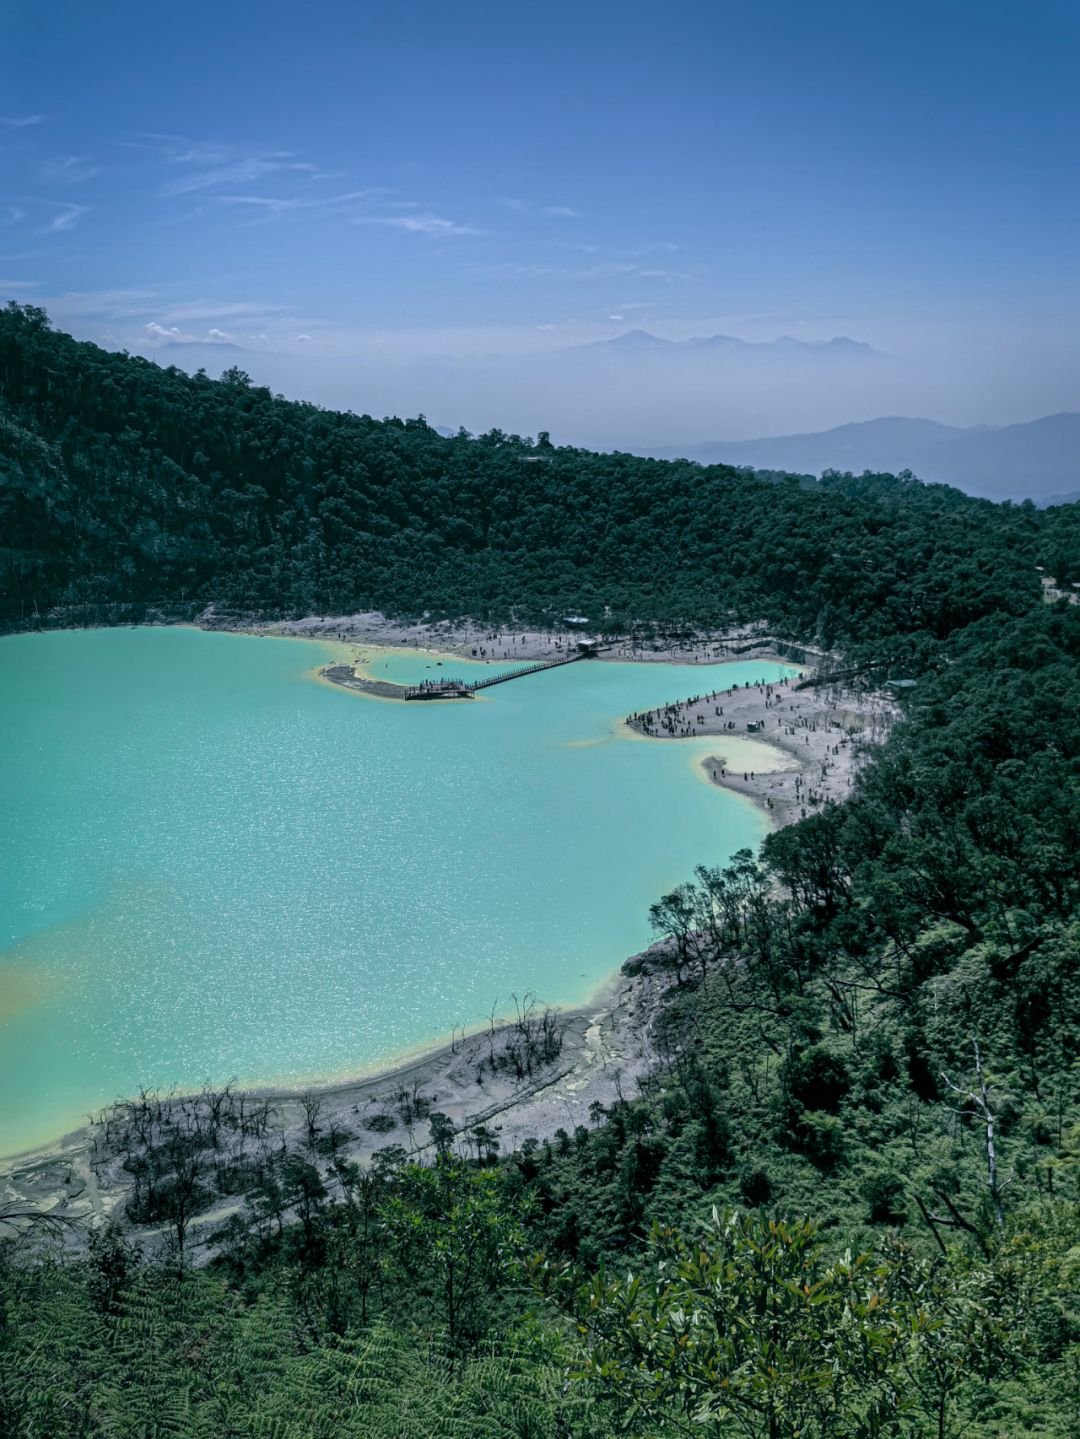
column 1037, row 460
column 643, row 340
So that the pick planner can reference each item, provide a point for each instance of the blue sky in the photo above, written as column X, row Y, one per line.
column 378, row 182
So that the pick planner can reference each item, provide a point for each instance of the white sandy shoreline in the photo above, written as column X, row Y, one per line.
column 606, row 1049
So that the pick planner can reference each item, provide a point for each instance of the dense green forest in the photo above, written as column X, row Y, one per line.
column 124, row 482
column 846, row 1202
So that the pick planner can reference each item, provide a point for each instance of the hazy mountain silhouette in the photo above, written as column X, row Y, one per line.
column 785, row 345
column 1039, row 460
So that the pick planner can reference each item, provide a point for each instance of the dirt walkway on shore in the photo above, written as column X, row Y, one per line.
column 372, row 629
column 472, row 640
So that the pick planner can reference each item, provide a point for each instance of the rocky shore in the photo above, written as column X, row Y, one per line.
column 604, row 1048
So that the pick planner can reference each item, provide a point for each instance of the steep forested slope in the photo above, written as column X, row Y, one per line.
column 123, row 482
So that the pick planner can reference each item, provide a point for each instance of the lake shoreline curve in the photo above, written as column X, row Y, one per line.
column 607, row 1043
column 607, row 1046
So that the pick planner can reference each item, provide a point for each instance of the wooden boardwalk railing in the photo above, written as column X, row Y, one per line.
column 459, row 689
column 525, row 670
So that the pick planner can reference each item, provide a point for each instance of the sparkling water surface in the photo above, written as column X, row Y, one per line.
column 214, row 865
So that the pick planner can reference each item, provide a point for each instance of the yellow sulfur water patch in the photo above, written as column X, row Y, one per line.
column 743, row 754
column 20, row 988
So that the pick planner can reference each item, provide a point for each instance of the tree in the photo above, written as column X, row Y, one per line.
column 355, row 1244
column 449, row 1232
column 751, row 1332
column 303, row 1191
column 443, row 1132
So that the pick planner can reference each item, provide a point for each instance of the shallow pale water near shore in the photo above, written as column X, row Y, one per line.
column 211, row 866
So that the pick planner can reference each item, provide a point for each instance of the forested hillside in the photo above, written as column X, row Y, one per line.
column 124, row 482
column 846, row 1202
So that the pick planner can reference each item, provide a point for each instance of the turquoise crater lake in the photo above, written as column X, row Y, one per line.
column 214, row 865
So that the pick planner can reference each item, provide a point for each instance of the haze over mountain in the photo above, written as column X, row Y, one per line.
column 632, row 390
column 644, row 391
column 1039, row 460
column 645, row 342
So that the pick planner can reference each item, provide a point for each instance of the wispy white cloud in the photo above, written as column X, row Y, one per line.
column 66, row 218
column 22, row 122
column 174, row 335
column 272, row 207
column 152, row 318
column 191, row 311
column 227, row 174
column 608, row 270
column 105, row 305
column 666, row 247
column 213, row 165
column 137, row 317
column 520, row 270
column 620, row 269
column 423, row 225
column 7, row 287
column 518, row 206
column 268, row 206
column 59, row 215
column 69, row 170
column 242, row 171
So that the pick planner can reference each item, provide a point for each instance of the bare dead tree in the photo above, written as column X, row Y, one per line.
column 313, row 1104
column 953, row 1220
column 16, row 1222
column 977, row 1105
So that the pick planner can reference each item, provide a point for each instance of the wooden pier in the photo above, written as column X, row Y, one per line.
column 439, row 690
column 526, row 670
column 452, row 689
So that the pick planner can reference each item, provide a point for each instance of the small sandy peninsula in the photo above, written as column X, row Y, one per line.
column 789, row 749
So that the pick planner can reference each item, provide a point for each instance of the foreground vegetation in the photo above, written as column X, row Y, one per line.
column 846, row 1202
